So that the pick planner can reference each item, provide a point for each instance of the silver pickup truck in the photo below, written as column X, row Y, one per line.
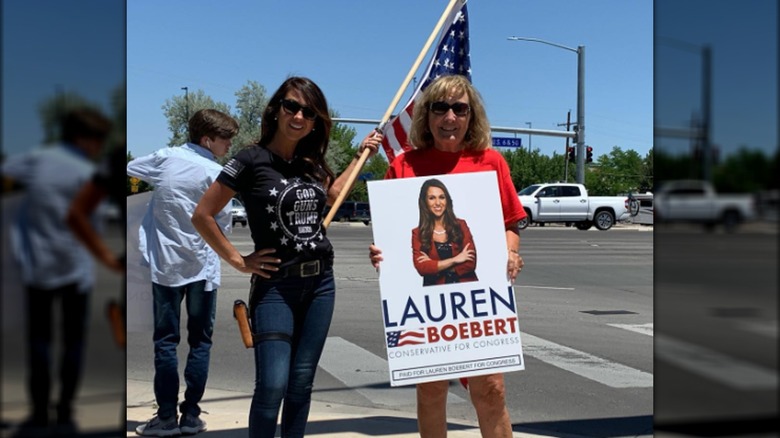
column 569, row 203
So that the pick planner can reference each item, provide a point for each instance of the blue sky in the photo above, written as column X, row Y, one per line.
column 743, row 39
column 359, row 52
column 56, row 45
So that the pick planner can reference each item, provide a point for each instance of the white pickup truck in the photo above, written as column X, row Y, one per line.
column 569, row 203
column 696, row 201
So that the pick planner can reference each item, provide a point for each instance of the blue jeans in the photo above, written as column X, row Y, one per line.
column 201, row 309
column 75, row 311
column 290, row 322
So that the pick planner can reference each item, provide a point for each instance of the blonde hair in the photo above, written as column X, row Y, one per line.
column 478, row 132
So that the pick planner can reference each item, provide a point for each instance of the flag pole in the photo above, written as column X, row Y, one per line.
column 364, row 156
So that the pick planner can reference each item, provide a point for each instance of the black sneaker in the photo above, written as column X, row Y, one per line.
column 190, row 424
column 33, row 427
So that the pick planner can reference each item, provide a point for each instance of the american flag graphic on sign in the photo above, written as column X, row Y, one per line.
column 405, row 337
column 451, row 57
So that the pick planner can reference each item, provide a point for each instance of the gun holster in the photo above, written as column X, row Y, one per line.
column 241, row 313
column 116, row 319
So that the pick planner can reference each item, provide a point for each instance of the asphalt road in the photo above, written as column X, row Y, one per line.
column 585, row 302
column 716, row 339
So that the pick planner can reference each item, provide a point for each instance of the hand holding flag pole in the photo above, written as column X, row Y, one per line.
column 364, row 156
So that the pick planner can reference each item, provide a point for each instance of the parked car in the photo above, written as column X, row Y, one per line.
column 239, row 213
column 569, row 203
column 352, row 211
column 697, row 201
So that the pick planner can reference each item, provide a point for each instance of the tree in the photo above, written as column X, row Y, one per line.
column 251, row 101
column 52, row 109
column 178, row 110
column 376, row 168
column 340, row 149
column 744, row 171
column 618, row 172
column 118, row 108
column 648, row 182
column 529, row 168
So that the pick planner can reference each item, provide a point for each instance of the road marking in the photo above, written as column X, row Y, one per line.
column 586, row 365
column 645, row 329
column 367, row 373
column 764, row 328
column 724, row 369
column 546, row 287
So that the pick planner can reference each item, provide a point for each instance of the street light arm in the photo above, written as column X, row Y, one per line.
column 580, row 51
column 515, row 38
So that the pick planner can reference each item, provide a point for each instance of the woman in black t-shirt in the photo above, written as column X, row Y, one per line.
column 285, row 184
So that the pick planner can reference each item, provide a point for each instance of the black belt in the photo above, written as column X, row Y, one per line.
column 304, row 269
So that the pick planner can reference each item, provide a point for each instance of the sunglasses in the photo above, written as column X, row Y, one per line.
column 292, row 107
column 459, row 108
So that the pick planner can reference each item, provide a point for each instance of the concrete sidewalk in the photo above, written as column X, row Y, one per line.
column 226, row 415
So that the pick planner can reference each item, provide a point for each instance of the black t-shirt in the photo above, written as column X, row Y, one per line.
column 284, row 208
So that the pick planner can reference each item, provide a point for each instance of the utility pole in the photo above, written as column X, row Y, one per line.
column 566, row 150
column 580, row 51
column 187, row 110
column 529, row 137
column 581, row 114
column 706, row 105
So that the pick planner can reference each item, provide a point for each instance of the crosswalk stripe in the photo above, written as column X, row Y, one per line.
column 724, row 369
column 763, row 328
column 586, row 365
column 645, row 329
column 367, row 373
column 545, row 287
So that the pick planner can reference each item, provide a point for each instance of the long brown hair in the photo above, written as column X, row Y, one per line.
column 427, row 219
column 312, row 148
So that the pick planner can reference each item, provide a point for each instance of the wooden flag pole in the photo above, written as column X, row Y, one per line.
column 364, row 156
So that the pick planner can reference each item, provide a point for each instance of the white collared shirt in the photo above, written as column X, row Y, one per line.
column 169, row 243
column 48, row 254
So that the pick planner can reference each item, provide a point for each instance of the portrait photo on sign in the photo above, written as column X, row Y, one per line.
column 442, row 245
column 448, row 307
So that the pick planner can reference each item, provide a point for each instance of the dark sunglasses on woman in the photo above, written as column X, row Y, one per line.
column 292, row 107
column 441, row 108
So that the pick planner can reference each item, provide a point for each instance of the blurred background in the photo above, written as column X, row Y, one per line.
column 716, row 206
column 58, row 56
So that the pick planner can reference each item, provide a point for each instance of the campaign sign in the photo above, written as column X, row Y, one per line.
column 448, row 307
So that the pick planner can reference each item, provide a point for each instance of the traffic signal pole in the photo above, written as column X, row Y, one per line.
column 581, row 114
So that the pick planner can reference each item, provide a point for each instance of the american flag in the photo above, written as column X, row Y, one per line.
column 451, row 57
column 405, row 337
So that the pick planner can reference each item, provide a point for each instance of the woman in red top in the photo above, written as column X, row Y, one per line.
column 442, row 244
column 451, row 134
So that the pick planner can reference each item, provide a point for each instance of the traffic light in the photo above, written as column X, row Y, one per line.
column 571, row 154
column 589, row 154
